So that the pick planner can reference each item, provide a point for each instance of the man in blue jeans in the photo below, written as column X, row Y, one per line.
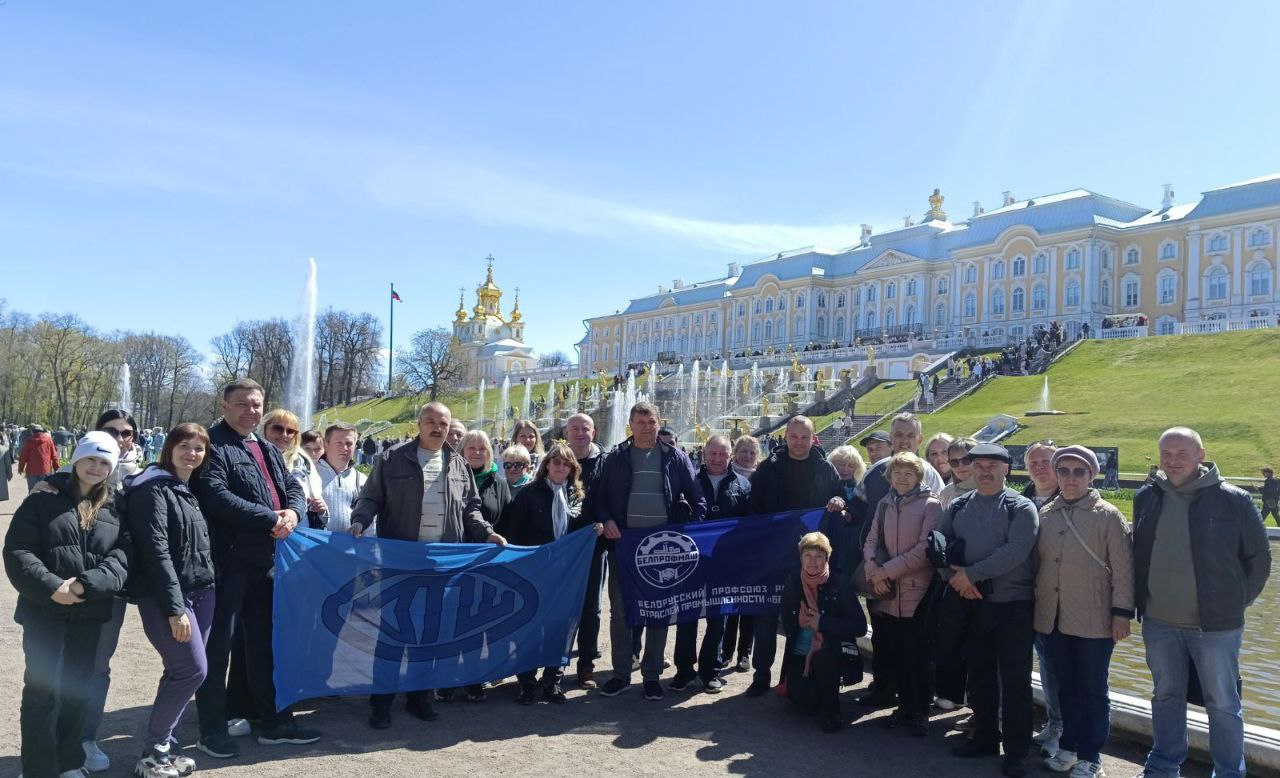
column 1200, row 558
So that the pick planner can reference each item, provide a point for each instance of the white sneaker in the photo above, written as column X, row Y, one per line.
column 1061, row 762
column 1085, row 769
column 238, row 728
column 942, row 703
column 94, row 760
column 1050, row 732
column 151, row 766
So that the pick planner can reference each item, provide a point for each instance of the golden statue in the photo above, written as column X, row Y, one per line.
column 603, row 381
column 701, row 432
column 764, row 406
column 935, row 207
column 795, row 367
column 746, row 384
column 871, row 354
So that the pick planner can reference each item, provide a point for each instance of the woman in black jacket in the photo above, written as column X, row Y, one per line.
column 67, row 555
column 172, row 583
column 820, row 613
column 543, row 512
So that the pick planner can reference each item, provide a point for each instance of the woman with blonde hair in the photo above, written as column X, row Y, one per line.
column 545, row 511
column 526, row 434
column 495, row 494
column 746, row 456
column 281, row 429
column 517, row 467
column 846, row 529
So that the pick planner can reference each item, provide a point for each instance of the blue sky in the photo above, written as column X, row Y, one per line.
column 170, row 166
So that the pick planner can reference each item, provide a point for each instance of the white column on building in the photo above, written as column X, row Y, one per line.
column 1089, row 289
column 985, row 310
column 1237, row 272
column 1051, row 310
column 955, row 295
column 1192, row 285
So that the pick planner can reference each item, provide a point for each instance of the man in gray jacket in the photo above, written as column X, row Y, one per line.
column 1200, row 556
column 421, row 490
column 998, row 527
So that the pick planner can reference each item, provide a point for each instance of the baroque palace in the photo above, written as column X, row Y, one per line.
column 1078, row 258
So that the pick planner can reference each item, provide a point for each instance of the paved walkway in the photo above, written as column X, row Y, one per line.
column 686, row 734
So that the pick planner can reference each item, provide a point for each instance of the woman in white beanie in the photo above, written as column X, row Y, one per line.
column 67, row 555
column 1084, row 601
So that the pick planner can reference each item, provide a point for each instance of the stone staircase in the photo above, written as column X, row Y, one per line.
column 830, row 437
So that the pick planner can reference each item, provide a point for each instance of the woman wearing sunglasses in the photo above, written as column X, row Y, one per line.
column 1084, row 601
column 280, row 428
column 517, row 467
column 961, row 471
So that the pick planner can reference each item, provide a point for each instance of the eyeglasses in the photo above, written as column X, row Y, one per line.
column 115, row 433
column 1073, row 472
column 513, row 465
column 280, row 429
column 966, row 460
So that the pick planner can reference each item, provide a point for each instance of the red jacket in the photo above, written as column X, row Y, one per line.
column 38, row 456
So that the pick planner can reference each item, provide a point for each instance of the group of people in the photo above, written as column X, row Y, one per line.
column 963, row 578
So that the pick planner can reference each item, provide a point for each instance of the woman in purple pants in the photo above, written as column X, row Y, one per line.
column 172, row 584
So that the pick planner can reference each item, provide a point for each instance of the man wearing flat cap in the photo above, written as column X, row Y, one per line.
column 998, row 527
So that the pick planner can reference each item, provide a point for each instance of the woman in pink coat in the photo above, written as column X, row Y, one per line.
column 898, row 569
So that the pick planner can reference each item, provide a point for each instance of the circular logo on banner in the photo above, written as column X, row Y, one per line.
column 666, row 558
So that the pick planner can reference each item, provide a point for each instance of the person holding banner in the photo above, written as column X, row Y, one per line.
column 644, row 483
column 793, row 478
column 897, row 567
column 421, row 490
column 726, row 494
column 580, row 432
column 819, row 613
column 847, row 529
column 544, row 512
column 249, row 500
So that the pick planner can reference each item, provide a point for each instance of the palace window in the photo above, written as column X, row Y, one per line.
column 971, row 274
column 757, row 307
column 1019, row 267
column 1260, row 279
column 942, row 286
column 799, row 301
column 940, row 314
column 1018, row 301
column 755, row 332
column 871, row 319
column 822, row 301
column 891, row 291
column 997, row 302
column 1106, row 291
column 1166, row 325
column 1132, row 257
column 1218, row 243
column 1217, row 283
column 782, row 303
column 1167, row 288
column 1259, row 237
column 1168, row 250
column 909, row 318
column 1131, row 287
column 1042, row 263
column 997, row 270
column 911, row 287
column 1039, row 298
column 871, row 294
column 890, row 319
column 840, row 300
column 1073, row 293
column 970, row 305
column 822, row 325
column 768, row 330
column 1073, row 259
column 857, row 296
column 1106, row 259
column 742, row 311
column 798, row 329
column 839, row 326
column 768, row 306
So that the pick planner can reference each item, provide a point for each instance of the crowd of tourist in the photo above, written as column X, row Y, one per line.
column 963, row 578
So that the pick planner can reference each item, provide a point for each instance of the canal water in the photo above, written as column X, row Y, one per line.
column 1259, row 657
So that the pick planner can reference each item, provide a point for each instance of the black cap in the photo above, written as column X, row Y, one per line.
column 990, row 451
column 880, row 435
column 665, row 430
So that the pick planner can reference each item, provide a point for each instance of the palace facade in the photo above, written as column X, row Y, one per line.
column 1076, row 258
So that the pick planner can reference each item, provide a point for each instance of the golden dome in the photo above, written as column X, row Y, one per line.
column 461, row 315
column 488, row 297
column 515, row 311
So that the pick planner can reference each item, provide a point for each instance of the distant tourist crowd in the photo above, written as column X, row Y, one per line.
column 962, row 577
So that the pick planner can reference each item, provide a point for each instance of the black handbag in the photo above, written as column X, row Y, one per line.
column 850, row 663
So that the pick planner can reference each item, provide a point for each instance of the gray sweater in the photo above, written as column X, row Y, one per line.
column 996, row 549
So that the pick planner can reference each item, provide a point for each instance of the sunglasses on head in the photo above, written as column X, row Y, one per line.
column 513, row 465
column 115, row 433
column 281, row 429
column 1073, row 472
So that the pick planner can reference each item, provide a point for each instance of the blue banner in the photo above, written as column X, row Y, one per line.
column 366, row 615
column 684, row 572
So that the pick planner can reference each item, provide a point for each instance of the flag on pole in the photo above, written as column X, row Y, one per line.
column 396, row 296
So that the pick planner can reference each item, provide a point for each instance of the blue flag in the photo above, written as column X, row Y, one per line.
column 684, row 572
column 366, row 615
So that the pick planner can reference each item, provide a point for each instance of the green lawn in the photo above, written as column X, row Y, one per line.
column 402, row 412
column 1126, row 392
column 881, row 399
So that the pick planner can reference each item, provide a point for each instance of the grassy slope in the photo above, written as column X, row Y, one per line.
column 1126, row 392
column 882, row 398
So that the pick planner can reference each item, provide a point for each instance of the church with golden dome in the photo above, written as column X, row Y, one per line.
column 494, row 345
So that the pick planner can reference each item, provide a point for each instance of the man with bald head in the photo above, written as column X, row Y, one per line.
column 1200, row 557
column 421, row 490
column 794, row 477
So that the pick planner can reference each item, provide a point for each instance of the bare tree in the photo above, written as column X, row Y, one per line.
column 434, row 362
column 554, row 359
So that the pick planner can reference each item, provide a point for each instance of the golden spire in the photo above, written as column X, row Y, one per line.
column 935, row 207
column 488, row 297
column 461, row 315
column 515, row 311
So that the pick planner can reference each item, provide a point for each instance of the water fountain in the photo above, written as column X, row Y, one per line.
column 300, row 395
column 551, row 405
column 617, row 420
column 1045, row 407
column 691, row 404
column 504, row 402
column 480, row 406
column 125, row 389
column 524, row 403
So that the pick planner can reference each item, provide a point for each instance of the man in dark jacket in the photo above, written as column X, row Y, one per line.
column 580, row 433
column 1200, row 557
column 421, row 490
column 1270, row 495
column 644, row 484
column 794, row 477
column 726, row 493
column 249, row 501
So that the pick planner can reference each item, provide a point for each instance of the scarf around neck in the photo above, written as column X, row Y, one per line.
column 559, row 509
column 485, row 475
column 810, row 584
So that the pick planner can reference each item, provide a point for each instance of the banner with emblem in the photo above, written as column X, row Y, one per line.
column 367, row 615
column 684, row 572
